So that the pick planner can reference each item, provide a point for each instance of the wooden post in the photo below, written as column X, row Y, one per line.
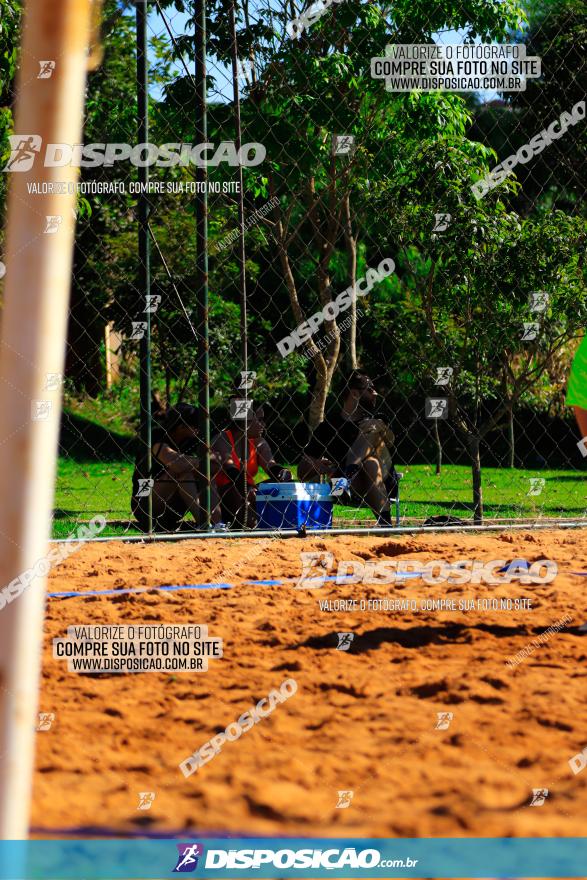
column 38, row 258
column 108, row 355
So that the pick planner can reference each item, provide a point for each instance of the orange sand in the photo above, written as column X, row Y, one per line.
column 362, row 720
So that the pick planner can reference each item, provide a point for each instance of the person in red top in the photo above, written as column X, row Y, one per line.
column 228, row 450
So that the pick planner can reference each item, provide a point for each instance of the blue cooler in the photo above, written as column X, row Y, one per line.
column 293, row 505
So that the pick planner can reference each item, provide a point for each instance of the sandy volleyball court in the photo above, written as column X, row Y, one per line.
column 363, row 720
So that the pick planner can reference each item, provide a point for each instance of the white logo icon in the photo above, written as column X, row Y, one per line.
column 46, row 71
column 23, row 149
column 315, row 567
column 53, row 381
column 145, row 487
column 539, row 796
column 240, row 409
column 345, row 640
column 153, row 302
column 146, row 799
column 579, row 761
column 343, row 144
column 531, row 329
column 339, row 486
column 247, row 379
column 436, row 408
column 344, row 799
column 52, row 223
column 441, row 222
column 539, row 301
column 444, row 719
column 46, row 719
column 443, row 375
column 537, row 484
column 40, row 410
column 139, row 328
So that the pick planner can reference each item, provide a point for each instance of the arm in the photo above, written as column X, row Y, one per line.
column 315, row 461
column 311, row 468
column 372, row 440
column 378, row 431
column 269, row 465
column 173, row 460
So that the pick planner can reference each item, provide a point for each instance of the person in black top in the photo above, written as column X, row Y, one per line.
column 175, row 472
column 352, row 444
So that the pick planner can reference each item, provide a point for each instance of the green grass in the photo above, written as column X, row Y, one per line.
column 85, row 489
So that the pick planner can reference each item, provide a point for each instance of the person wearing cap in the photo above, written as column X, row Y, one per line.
column 352, row 443
column 177, row 480
column 229, row 447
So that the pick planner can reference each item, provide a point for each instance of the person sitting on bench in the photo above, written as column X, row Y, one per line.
column 177, row 480
column 352, row 443
column 228, row 448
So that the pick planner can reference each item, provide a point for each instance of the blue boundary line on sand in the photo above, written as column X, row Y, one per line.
column 70, row 594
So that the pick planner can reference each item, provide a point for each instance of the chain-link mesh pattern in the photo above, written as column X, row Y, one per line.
column 467, row 310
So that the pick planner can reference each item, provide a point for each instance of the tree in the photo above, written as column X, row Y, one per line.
column 104, row 220
column 305, row 91
column 467, row 290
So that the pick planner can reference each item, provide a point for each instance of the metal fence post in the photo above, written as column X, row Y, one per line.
column 144, row 459
column 241, row 258
column 202, row 254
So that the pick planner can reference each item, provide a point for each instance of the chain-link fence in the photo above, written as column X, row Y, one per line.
column 412, row 262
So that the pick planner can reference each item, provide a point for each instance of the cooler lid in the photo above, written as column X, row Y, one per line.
column 294, row 492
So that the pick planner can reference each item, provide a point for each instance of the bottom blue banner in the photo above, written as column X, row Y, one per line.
column 293, row 857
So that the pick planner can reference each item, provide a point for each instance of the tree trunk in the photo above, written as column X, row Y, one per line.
column 331, row 352
column 323, row 372
column 512, row 438
column 324, row 364
column 318, row 401
column 474, row 445
column 438, row 448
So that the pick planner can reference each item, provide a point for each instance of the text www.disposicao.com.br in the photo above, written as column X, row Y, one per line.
column 134, row 664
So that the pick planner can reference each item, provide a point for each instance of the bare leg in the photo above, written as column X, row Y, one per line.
column 233, row 506
column 162, row 492
column 184, row 481
column 216, row 511
column 368, row 483
column 189, row 491
column 168, row 508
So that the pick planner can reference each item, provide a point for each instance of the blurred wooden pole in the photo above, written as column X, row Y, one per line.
column 32, row 345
